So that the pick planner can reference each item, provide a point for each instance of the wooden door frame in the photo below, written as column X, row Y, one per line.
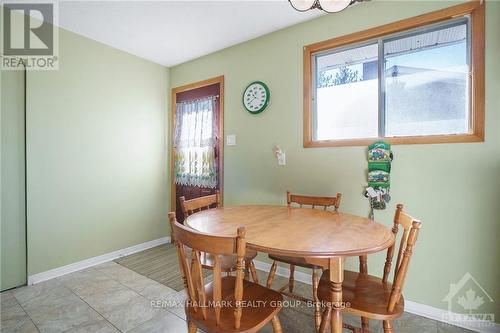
column 173, row 96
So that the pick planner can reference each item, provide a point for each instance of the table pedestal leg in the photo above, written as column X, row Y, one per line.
column 336, row 279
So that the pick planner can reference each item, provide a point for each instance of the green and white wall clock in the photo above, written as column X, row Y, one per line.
column 256, row 97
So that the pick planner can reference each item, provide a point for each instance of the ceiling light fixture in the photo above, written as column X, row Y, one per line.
column 329, row 6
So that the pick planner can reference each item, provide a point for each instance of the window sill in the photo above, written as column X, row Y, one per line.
column 407, row 140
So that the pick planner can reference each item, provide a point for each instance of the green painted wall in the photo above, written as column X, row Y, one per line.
column 13, row 230
column 453, row 188
column 97, row 177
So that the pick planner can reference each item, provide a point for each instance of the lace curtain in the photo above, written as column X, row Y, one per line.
column 195, row 139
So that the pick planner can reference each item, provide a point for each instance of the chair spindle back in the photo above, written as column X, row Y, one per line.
column 192, row 206
column 314, row 201
column 192, row 272
column 411, row 228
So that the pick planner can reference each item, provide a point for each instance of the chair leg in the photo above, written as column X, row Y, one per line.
column 325, row 319
column 270, row 278
column 276, row 325
column 247, row 271
column 387, row 326
column 192, row 327
column 253, row 271
column 317, row 309
column 365, row 323
column 291, row 279
column 363, row 264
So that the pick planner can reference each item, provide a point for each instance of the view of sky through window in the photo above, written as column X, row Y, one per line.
column 424, row 91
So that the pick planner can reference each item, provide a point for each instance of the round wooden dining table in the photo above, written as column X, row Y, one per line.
column 318, row 236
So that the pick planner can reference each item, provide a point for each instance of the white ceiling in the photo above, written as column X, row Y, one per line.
column 173, row 32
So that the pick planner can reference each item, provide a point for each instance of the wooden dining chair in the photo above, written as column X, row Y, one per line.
column 314, row 202
column 219, row 305
column 192, row 206
column 371, row 297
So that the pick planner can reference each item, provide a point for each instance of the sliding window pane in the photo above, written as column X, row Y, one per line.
column 346, row 95
column 427, row 82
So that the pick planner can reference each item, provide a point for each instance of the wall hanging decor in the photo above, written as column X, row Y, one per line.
column 379, row 175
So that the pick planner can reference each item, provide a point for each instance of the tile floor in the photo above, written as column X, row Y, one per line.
column 112, row 298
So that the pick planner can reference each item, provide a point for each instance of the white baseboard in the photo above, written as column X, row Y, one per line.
column 411, row 307
column 63, row 270
column 440, row 315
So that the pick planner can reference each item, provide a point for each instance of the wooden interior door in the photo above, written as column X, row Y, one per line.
column 212, row 87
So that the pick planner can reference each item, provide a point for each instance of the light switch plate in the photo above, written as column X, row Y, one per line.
column 231, row 140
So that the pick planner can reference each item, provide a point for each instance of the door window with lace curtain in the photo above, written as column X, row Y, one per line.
column 195, row 141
